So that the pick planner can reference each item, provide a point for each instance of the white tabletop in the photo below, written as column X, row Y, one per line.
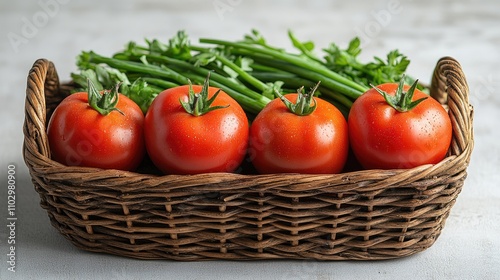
column 469, row 246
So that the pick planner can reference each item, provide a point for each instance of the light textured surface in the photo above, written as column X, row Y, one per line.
column 468, row 248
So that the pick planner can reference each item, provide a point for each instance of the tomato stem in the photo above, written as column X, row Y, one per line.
column 402, row 100
column 302, row 106
column 104, row 103
column 198, row 103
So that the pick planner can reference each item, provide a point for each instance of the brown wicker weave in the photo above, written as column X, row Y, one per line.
column 361, row 215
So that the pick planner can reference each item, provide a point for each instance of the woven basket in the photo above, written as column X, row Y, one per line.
column 359, row 215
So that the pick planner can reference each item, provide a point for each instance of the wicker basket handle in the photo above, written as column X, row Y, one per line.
column 449, row 86
column 42, row 89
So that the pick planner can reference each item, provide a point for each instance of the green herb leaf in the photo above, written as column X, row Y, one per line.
column 379, row 71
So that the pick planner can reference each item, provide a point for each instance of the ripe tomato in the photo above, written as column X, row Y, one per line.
column 80, row 135
column 386, row 137
column 182, row 142
column 282, row 141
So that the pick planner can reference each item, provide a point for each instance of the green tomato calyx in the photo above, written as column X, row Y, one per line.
column 302, row 107
column 104, row 103
column 401, row 101
column 198, row 103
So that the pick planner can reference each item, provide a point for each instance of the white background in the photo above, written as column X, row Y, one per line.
column 468, row 248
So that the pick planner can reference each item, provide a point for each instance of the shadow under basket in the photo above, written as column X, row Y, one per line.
column 359, row 215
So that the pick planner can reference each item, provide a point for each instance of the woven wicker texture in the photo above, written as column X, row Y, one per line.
column 361, row 215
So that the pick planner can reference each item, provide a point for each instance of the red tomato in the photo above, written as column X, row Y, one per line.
column 80, row 135
column 283, row 142
column 181, row 143
column 384, row 138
